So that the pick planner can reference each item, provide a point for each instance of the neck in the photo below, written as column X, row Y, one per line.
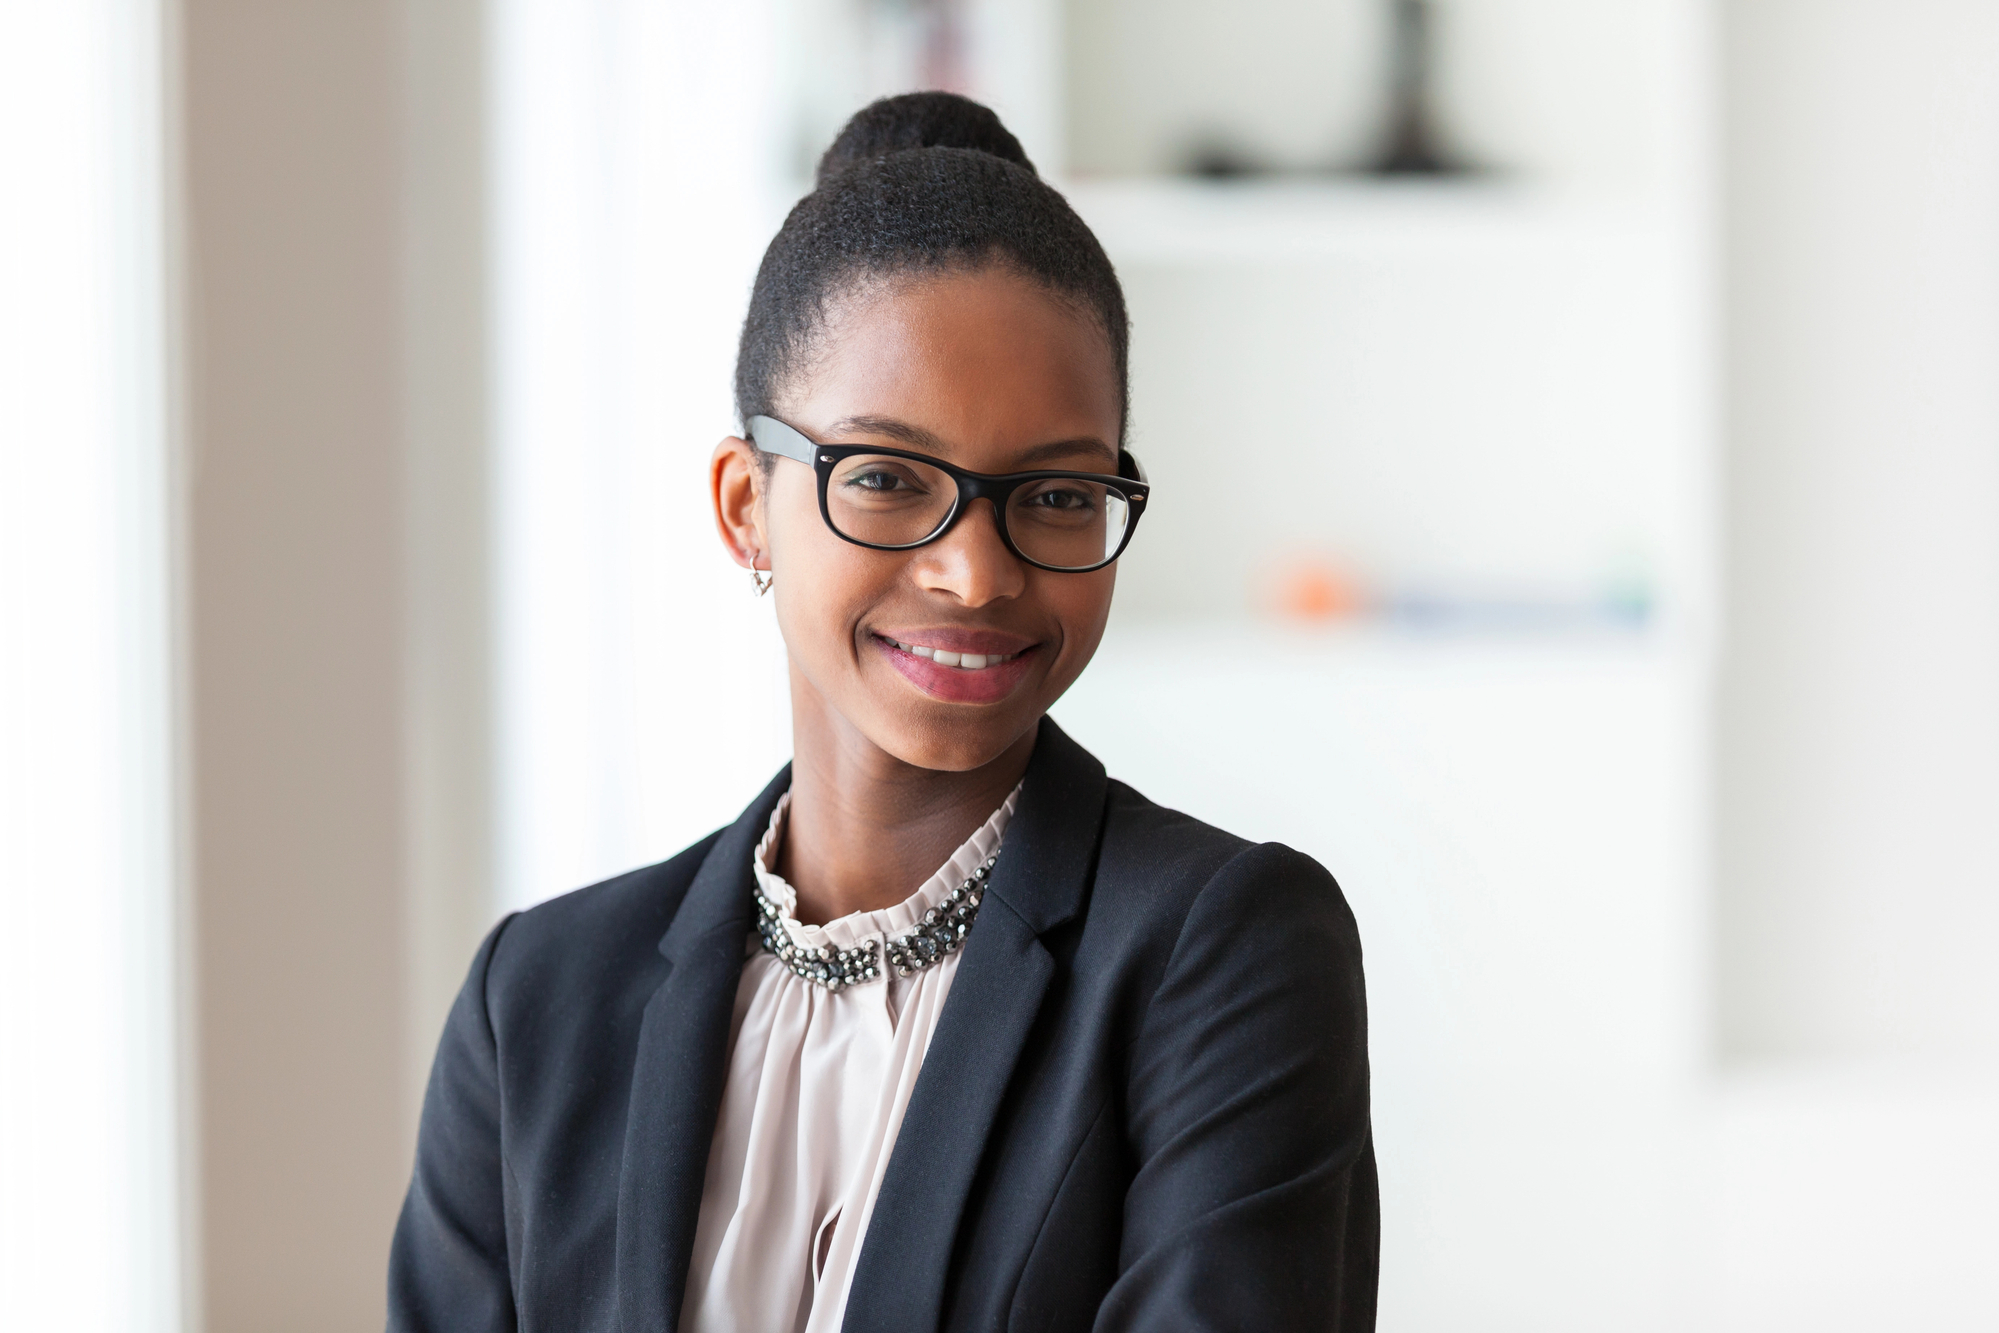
column 866, row 829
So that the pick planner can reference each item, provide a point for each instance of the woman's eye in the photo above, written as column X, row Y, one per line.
column 1074, row 501
column 879, row 482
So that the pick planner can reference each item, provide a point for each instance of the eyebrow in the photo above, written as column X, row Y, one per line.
column 923, row 441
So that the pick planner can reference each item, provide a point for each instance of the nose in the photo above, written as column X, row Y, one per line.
column 971, row 562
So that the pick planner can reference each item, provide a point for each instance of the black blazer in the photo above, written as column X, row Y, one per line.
column 1145, row 1105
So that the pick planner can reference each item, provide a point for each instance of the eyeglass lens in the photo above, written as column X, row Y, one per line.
column 1058, row 521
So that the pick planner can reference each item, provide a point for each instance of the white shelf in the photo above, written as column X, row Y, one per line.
column 1152, row 219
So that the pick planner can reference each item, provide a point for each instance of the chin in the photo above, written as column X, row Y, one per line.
column 956, row 746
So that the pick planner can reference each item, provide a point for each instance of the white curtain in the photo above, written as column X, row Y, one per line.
column 639, row 171
column 87, row 1093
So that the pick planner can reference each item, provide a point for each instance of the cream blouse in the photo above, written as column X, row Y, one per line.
column 818, row 1082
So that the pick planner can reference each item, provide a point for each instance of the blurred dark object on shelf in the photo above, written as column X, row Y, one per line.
column 1411, row 145
column 1216, row 157
column 1411, row 142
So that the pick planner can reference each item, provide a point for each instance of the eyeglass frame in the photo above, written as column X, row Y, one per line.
column 775, row 437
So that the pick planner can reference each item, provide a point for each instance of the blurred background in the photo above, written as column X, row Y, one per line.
column 1630, row 650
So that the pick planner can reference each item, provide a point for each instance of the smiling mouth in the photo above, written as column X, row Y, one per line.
column 944, row 657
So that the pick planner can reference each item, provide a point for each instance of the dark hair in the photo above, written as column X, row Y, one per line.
column 921, row 183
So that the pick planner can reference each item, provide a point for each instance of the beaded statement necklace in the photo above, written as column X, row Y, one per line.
column 939, row 934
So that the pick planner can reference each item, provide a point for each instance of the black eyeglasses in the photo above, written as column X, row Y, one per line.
column 893, row 500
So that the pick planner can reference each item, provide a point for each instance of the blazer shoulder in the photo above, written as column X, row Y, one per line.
column 589, row 931
column 1160, row 843
column 1160, row 862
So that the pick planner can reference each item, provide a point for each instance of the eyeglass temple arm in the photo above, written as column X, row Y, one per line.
column 774, row 437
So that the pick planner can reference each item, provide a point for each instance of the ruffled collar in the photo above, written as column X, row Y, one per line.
column 853, row 929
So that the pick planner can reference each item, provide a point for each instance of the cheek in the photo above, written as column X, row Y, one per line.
column 802, row 549
column 1082, row 604
column 823, row 584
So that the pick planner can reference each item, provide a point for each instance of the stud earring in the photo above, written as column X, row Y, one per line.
column 762, row 580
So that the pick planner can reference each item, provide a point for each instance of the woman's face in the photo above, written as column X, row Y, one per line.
column 988, row 371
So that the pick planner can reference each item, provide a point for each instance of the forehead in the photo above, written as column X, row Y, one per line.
column 988, row 363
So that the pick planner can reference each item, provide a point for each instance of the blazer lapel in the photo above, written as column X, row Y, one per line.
column 677, row 1080
column 1040, row 881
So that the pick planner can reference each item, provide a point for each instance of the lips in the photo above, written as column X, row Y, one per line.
column 959, row 666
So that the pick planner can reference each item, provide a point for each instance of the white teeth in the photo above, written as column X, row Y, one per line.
column 945, row 657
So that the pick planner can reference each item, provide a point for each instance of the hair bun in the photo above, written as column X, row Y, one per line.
column 919, row 120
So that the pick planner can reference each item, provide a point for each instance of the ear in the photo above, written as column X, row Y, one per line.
column 735, row 478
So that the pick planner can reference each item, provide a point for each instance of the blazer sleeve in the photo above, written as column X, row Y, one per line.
column 1254, row 1203
column 448, row 1263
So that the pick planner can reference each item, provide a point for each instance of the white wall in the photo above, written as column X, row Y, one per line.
column 1495, row 390
column 1859, row 796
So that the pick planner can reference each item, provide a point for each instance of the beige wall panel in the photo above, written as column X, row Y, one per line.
column 296, row 532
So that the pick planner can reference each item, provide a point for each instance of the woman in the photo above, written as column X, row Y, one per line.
column 1105, row 1067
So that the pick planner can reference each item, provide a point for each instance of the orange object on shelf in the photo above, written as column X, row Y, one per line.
column 1309, row 589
